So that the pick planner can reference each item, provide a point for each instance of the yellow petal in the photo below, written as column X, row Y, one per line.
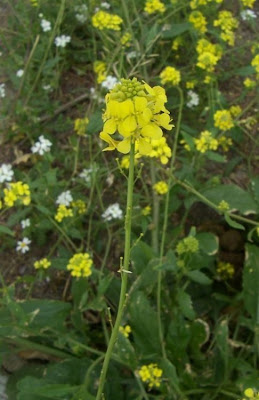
column 124, row 146
column 110, row 126
column 126, row 108
column 152, row 131
column 112, row 143
column 140, row 103
column 164, row 121
column 144, row 147
column 129, row 124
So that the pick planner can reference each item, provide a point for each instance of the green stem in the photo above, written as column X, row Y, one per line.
column 162, row 246
column 155, row 209
column 124, row 275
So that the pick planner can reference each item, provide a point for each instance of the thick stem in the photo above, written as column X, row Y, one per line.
column 124, row 276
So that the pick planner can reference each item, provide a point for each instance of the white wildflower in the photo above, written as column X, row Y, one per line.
column 105, row 5
column 20, row 73
column 48, row 88
column 193, row 99
column 109, row 82
column 112, row 212
column 247, row 15
column 23, row 245
column 6, row 173
column 132, row 54
column 81, row 13
column 96, row 96
column 65, row 198
column 2, row 90
column 42, row 146
column 45, row 25
column 25, row 223
column 86, row 174
column 62, row 41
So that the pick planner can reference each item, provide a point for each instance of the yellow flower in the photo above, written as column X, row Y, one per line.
column 161, row 150
column 235, row 111
column 228, row 24
column 223, row 120
column 248, row 3
column 80, row 206
column 63, row 212
column 223, row 206
column 125, row 330
column 161, row 187
column 146, row 210
column 152, row 6
column 80, row 125
column 103, row 20
column 185, row 145
column 255, row 63
column 196, row 3
column 34, row 3
column 206, row 142
column 80, row 265
column 100, row 71
column 225, row 143
column 43, row 263
column 170, row 75
column 151, row 374
column 125, row 39
column 17, row 191
column 137, row 112
column 125, row 162
column 177, row 43
column 188, row 245
column 207, row 61
column 1, row 204
column 198, row 20
column 190, row 84
column 249, row 83
column 225, row 270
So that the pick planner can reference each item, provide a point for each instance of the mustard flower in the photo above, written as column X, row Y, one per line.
column 146, row 210
column 161, row 150
column 228, row 24
column 248, row 3
column 125, row 162
column 190, row 84
column 152, row 6
column 225, row 143
column 125, row 330
column 63, row 212
column 177, row 43
column 151, row 374
column 34, row 3
column 17, row 191
column 235, row 111
column 80, row 265
column 44, row 263
column 206, row 142
column 249, row 83
column 223, row 120
column 255, row 63
column 208, row 54
column 80, row 206
column 188, row 245
column 198, row 20
column 80, row 125
column 137, row 112
column 125, row 39
column 170, row 75
column 161, row 187
column 185, row 145
column 196, row 3
column 100, row 71
column 104, row 20
column 225, row 270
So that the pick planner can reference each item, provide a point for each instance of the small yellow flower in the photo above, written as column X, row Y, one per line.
column 225, row 270
column 17, row 191
column 190, row 84
column 206, row 142
column 125, row 162
column 63, row 212
column 223, row 120
column 198, row 20
column 223, row 206
column 177, row 43
column 248, row 3
column 161, row 187
column 225, row 143
column 249, row 83
column 43, row 263
column 228, row 24
column 170, row 75
column 235, row 111
column 152, row 6
column 188, row 245
column 185, row 145
column 161, row 150
column 80, row 125
column 125, row 330
column 125, row 39
column 255, row 63
column 151, row 374
column 80, row 265
column 103, row 20
column 100, row 71
column 80, row 206
column 146, row 210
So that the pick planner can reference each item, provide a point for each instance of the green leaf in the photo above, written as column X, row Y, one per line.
column 170, row 374
column 233, row 223
column 213, row 156
column 251, row 282
column 95, row 123
column 31, row 385
column 141, row 254
column 176, row 30
column 6, row 231
column 185, row 304
column 208, row 242
column 125, row 351
column 199, row 277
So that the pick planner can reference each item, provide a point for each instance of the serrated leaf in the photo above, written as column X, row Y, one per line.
column 199, row 277
column 233, row 223
column 185, row 304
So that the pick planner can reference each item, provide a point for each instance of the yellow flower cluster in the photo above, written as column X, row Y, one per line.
column 125, row 330
column 137, row 112
column 152, row 6
column 100, row 71
column 198, row 20
column 249, row 83
column 125, row 39
column 80, row 125
column 225, row 143
column 80, row 206
column 225, row 270
column 223, row 120
column 177, row 43
column 185, row 145
column 151, row 374
column 255, row 63
column 248, row 3
column 146, row 210
column 17, row 191
column 80, row 265
column 161, row 150
column 103, row 20
column 223, row 206
column 190, row 84
column 170, row 75
column 251, row 394
column 206, row 142
column 63, row 212
column 34, row 3
column 44, row 263
column 228, row 24
column 235, row 111
column 208, row 55
column 161, row 187
column 196, row 3
column 188, row 245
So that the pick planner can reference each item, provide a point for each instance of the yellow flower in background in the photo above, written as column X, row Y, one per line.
column 44, row 263
column 178, row 42
column 185, row 145
column 80, row 125
column 125, row 330
column 146, row 210
column 137, row 112
column 248, row 3
column 225, row 143
column 63, row 212
column 125, row 162
column 152, row 6
column 235, row 111
column 80, row 265
column 223, row 120
column 249, row 83
column 208, row 55
column 17, row 191
column 190, row 84
column 1, row 204
column 34, row 3
column 170, row 75
column 223, row 206
column 161, row 187
column 151, row 374
column 125, row 39
column 196, row 3
column 251, row 394
column 198, row 20
column 103, row 20
column 100, row 71
column 80, row 206
column 161, row 150
column 225, row 270
column 255, row 63
column 206, row 142
column 188, row 245
column 228, row 24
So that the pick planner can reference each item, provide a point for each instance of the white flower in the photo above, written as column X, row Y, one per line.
column 132, row 54
column 25, row 223
column 23, row 245
column 81, row 13
column 112, row 212
column 62, row 41
column 47, row 88
column 193, row 99
column 45, row 25
column 106, row 5
column 65, row 198
column 6, row 173
column 247, row 14
column 86, row 174
column 109, row 82
column 20, row 73
column 42, row 146
column 96, row 96
column 2, row 90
